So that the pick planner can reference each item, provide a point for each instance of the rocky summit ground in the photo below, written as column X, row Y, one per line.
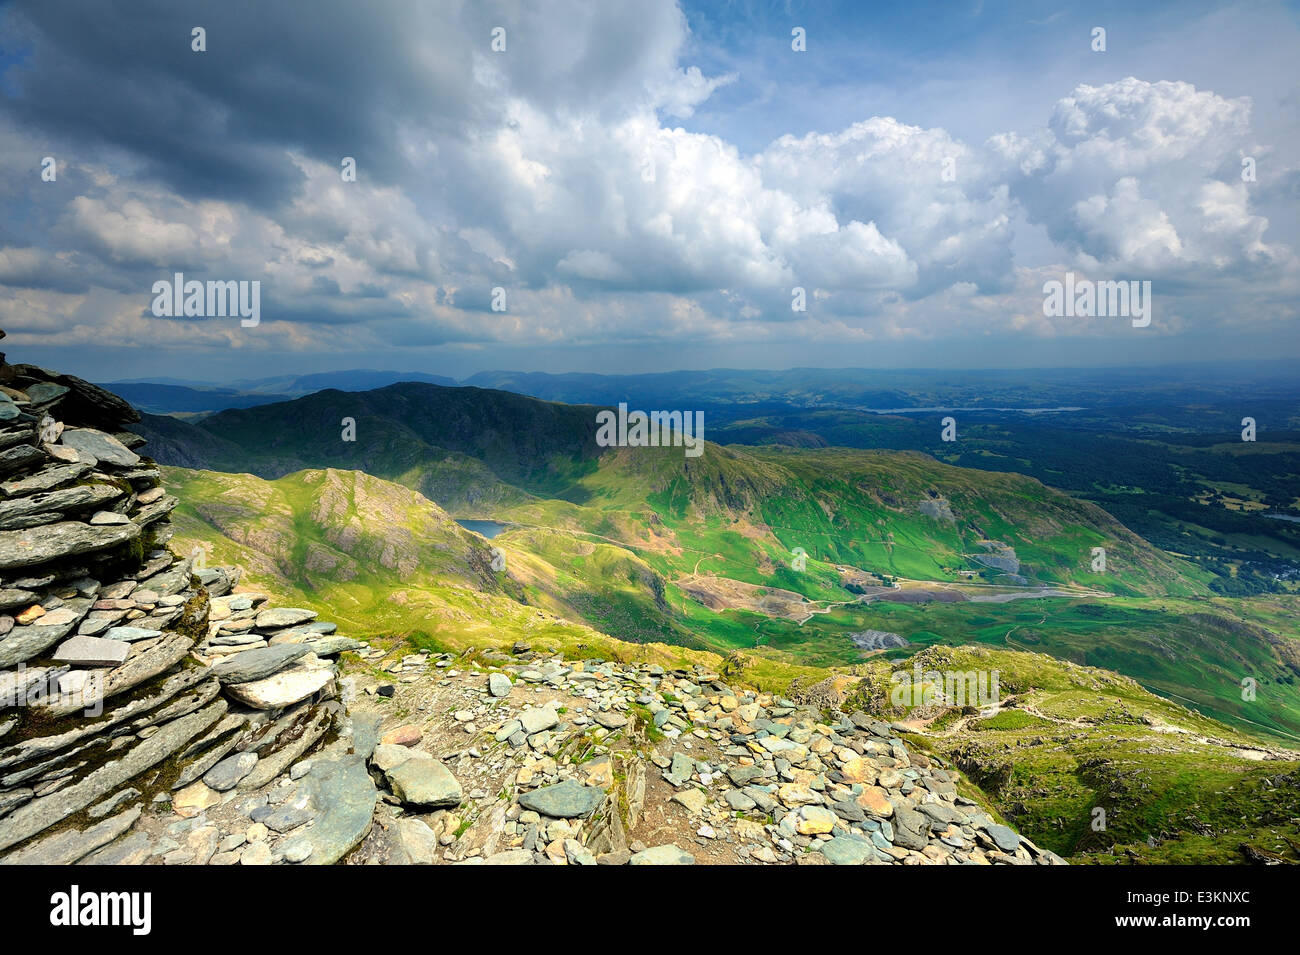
column 523, row 757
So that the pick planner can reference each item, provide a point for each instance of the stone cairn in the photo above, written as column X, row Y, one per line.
column 133, row 681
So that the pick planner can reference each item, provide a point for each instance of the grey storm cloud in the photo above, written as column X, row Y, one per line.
column 324, row 78
column 331, row 78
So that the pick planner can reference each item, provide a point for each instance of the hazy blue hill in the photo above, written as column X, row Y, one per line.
column 696, row 389
column 359, row 379
column 905, row 388
column 156, row 398
column 172, row 396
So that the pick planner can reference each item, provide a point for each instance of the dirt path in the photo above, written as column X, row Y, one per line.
column 1006, row 637
column 923, row 726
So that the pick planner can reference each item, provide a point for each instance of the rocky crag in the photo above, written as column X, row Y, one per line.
column 152, row 711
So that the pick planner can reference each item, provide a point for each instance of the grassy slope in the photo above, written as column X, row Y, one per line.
column 1195, row 651
column 1175, row 786
column 383, row 559
column 863, row 508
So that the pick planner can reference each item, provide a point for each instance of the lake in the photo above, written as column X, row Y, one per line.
column 488, row 529
column 933, row 410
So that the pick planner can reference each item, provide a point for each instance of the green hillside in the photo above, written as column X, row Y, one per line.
column 897, row 513
column 498, row 455
column 389, row 560
column 334, row 538
column 464, row 447
column 1104, row 772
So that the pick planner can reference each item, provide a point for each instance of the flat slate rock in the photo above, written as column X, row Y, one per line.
column 662, row 855
column 132, row 849
column 17, row 458
column 332, row 646
column 131, row 634
column 274, row 763
column 171, row 580
column 277, row 617
column 291, row 685
column 425, row 783
column 67, row 847
column 40, row 545
column 288, row 818
column 102, row 447
column 39, row 814
column 39, row 746
column 847, row 850
column 365, row 733
column 43, row 392
column 235, row 640
column 13, row 597
column 109, row 517
column 343, row 796
column 1007, row 840
column 140, row 666
column 538, row 718
column 567, row 800
column 258, row 664
column 92, row 652
column 16, row 685
column 301, row 633
column 44, row 480
column 60, row 499
column 23, row 643
column 227, row 773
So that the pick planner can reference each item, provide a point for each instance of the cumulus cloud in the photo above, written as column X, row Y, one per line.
column 1144, row 177
column 927, row 192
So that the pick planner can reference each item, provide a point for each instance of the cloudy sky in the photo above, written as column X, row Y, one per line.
column 647, row 182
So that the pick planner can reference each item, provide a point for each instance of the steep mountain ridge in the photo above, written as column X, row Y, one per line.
column 490, row 454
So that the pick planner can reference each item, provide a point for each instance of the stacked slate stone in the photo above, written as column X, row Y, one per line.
column 127, row 673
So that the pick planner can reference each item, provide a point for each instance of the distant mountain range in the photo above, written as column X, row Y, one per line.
column 728, row 392
column 174, row 396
